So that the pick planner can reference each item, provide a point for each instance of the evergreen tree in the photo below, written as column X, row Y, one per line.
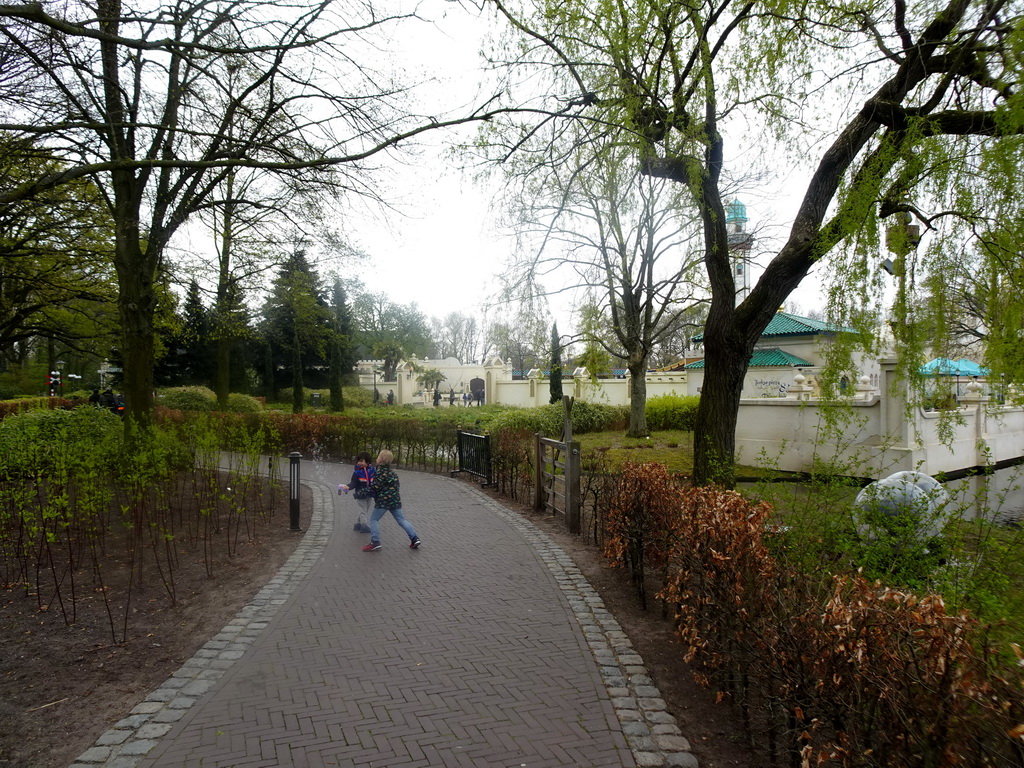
column 199, row 362
column 556, row 365
column 342, row 358
column 297, row 329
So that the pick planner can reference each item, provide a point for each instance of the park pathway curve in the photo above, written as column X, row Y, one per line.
column 485, row 647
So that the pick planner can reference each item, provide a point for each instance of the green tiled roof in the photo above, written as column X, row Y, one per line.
column 785, row 324
column 765, row 358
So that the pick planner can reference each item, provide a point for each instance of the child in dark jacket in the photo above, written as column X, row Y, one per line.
column 362, row 476
column 385, row 489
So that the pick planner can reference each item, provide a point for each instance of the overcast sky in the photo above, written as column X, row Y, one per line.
column 440, row 247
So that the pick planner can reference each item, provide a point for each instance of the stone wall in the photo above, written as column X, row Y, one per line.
column 880, row 439
column 500, row 387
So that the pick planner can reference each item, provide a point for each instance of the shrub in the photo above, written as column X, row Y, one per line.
column 188, row 398
column 239, row 403
column 76, row 497
column 512, row 453
column 666, row 412
column 7, row 407
column 356, row 397
column 35, row 439
column 940, row 402
column 642, row 511
column 547, row 419
column 845, row 673
column 352, row 397
column 595, row 417
column 22, row 380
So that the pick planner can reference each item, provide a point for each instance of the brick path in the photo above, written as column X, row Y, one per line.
column 485, row 647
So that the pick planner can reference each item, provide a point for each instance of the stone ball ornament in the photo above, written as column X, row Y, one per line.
column 908, row 506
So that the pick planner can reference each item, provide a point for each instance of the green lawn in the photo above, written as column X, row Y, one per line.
column 673, row 448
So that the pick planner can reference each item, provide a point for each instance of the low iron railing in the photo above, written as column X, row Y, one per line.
column 474, row 455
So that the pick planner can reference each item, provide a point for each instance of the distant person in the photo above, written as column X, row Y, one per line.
column 465, row 399
column 451, row 398
column 391, row 397
column 385, row 487
column 479, row 395
column 376, row 396
column 362, row 475
column 107, row 400
column 94, row 398
column 437, row 397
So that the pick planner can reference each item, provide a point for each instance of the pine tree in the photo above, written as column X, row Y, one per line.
column 342, row 358
column 297, row 328
column 556, row 365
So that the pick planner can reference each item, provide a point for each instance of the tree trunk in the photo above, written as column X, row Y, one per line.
column 714, row 434
column 297, row 391
column 638, row 398
column 225, row 297
column 135, row 267
column 137, row 308
column 730, row 335
column 270, row 374
column 222, row 378
column 334, row 379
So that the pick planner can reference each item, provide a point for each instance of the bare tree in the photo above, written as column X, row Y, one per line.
column 623, row 237
column 145, row 101
column 456, row 335
column 524, row 338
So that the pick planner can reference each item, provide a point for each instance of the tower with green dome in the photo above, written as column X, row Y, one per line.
column 740, row 243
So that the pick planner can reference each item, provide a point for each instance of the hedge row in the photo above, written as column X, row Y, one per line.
column 427, row 443
column 9, row 407
column 847, row 673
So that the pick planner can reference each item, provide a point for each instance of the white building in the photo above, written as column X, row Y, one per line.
column 789, row 344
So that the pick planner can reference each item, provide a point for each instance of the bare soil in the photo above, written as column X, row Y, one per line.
column 62, row 685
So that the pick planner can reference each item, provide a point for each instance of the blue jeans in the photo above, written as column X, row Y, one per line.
column 379, row 512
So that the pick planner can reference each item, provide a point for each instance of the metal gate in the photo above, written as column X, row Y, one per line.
column 474, row 453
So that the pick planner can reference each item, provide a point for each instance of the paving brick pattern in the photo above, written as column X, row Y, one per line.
column 485, row 647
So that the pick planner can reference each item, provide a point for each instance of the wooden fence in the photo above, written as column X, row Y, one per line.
column 557, row 479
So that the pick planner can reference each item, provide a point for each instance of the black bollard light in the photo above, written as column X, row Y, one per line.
column 294, row 456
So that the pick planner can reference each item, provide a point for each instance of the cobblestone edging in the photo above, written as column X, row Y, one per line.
column 652, row 733
column 653, row 736
column 129, row 740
